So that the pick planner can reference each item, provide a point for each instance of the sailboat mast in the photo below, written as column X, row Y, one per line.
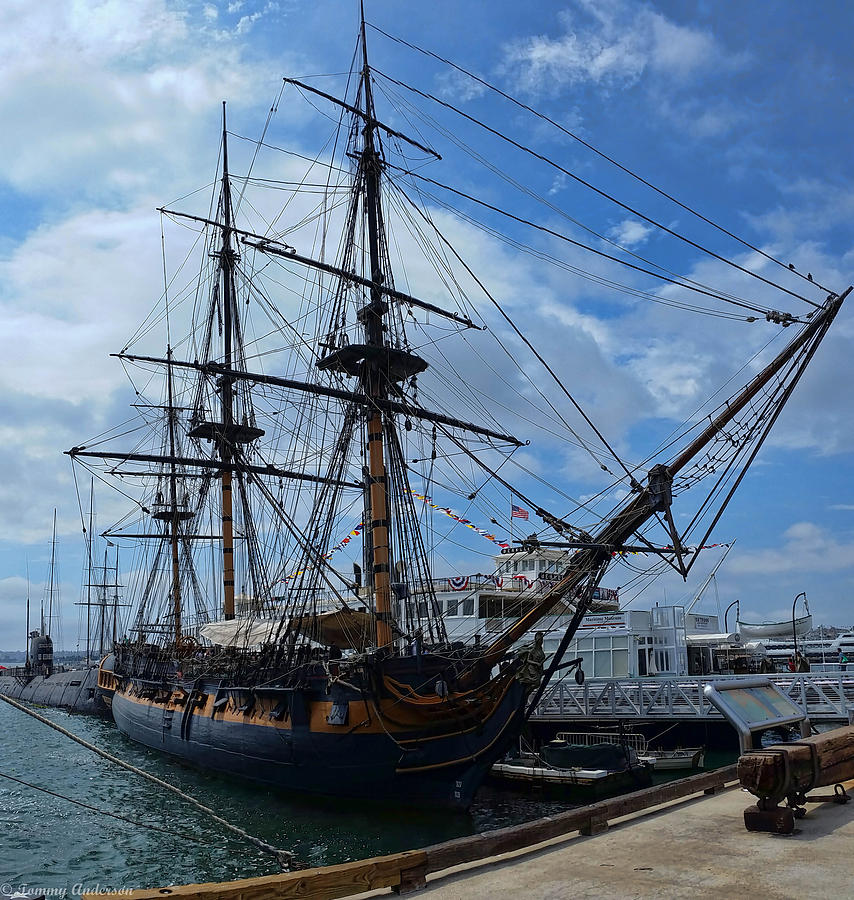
column 27, row 642
column 103, row 610
column 373, row 383
column 52, row 572
column 226, row 264
column 706, row 583
column 89, row 579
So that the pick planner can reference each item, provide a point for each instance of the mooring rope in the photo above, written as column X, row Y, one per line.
column 284, row 857
column 106, row 812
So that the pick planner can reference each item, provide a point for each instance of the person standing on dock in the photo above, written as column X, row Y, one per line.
column 843, row 661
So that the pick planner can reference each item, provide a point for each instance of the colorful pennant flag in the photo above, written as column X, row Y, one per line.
column 357, row 530
column 467, row 522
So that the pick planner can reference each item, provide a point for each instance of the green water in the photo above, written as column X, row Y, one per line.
column 51, row 844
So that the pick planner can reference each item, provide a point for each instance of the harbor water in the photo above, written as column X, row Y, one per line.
column 53, row 845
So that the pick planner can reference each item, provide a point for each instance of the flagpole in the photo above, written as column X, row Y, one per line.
column 511, row 518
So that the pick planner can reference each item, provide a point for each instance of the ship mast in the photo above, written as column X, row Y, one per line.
column 227, row 258
column 52, row 587
column 373, row 382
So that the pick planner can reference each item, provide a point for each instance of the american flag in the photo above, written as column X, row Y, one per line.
column 518, row 512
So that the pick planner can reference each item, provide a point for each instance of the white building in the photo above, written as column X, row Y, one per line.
column 611, row 642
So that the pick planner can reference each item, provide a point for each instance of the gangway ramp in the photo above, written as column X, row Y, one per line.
column 824, row 697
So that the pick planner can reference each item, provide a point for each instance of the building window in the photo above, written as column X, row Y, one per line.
column 620, row 663
column 602, row 663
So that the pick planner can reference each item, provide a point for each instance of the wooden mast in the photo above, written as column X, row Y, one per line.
column 226, row 264
column 173, row 516
column 374, row 383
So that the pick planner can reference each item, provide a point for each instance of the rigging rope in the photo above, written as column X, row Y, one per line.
column 789, row 267
column 106, row 812
column 715, row 295
column 602, row 193
column 539, row 357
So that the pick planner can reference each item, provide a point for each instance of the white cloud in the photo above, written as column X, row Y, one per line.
column 630, row 233
column 246, row 22
column 561, row 180
column 71, row 293
column 805, row 547
column 454, row 84
column 102, row 92
column 612, row 44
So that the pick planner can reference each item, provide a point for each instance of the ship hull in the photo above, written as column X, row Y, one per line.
column 76, row 691
column 307, row 755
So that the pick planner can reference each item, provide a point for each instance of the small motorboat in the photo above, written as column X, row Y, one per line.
column 669, row 760
column 584, row 771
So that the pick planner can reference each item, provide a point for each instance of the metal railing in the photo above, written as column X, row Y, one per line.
column 824, row 697
column 637, row 742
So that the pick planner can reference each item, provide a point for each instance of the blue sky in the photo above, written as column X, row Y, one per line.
column 740, row 110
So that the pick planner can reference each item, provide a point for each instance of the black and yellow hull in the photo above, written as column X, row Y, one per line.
column 397, row 747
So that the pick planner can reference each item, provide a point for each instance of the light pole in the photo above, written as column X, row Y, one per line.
column 726, row 627
column 794, row 628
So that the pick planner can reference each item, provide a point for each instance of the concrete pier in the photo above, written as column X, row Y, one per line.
column 685, row 839
column 696, row 848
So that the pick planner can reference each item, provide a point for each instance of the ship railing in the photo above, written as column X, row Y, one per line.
column 636, row 742
column 21, row 674
column 822, row 696
column 474, row 583
column 510, row 584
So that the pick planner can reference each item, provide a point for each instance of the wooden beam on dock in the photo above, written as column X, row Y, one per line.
column 322, row 883
column 589, row 819
column 799, row 766
column 407, row 871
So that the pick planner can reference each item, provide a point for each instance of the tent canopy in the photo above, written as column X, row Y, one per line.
column 346, row 629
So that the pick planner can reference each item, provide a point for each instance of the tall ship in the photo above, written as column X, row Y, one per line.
column 289, row 434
